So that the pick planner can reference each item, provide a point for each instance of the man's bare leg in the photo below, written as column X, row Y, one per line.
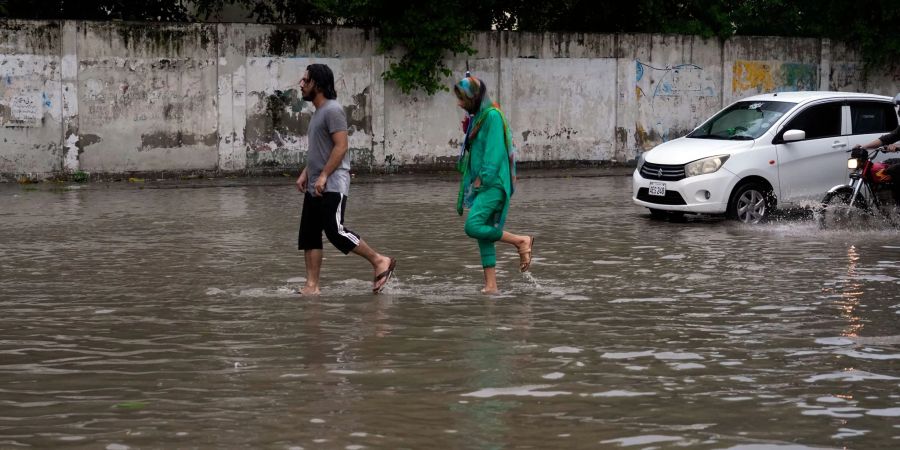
column 313, row 259
column 379, row 262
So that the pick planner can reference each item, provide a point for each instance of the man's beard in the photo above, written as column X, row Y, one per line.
column 310, row 96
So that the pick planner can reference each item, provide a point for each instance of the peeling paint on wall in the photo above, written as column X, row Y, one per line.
column 276, row 129
column 357, row 114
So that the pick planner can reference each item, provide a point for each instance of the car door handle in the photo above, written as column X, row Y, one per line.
column 838, row 145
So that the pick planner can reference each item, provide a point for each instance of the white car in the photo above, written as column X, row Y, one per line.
column 784, row 149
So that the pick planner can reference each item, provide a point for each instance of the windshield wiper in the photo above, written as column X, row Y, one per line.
column 741, row 138
column 707, row 136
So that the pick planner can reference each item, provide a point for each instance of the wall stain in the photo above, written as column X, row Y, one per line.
column 167, row 40
column 35, row 36
column 289, row 41
column 163, row 139
column 284, row 41
column 362, row 158
column 621, row 136
column 648, row 139
column 86, row 140
column 277, row 158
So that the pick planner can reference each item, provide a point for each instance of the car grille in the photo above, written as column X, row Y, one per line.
column 664, row 172
column 671, row 197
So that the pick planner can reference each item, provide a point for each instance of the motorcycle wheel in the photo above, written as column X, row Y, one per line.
column 836, row 211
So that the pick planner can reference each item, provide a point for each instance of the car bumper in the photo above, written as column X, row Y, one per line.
column 687, row 195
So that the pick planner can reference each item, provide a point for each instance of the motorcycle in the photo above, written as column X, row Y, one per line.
column 866, row 198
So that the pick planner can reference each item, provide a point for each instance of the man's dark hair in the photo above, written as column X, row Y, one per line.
column 324, row 79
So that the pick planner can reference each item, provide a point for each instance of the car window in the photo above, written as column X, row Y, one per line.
column 742, row 120
column 818, row 121
column 872, row 117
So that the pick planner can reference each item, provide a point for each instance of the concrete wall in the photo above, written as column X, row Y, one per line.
column 119, row 98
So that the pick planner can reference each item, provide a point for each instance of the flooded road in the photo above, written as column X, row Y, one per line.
column 167, row 318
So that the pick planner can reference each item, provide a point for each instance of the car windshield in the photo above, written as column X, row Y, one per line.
column 743, row 120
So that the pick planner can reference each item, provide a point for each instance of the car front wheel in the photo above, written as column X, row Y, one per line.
column 751, row 203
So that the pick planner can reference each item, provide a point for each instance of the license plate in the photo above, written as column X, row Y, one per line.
column 658, row 189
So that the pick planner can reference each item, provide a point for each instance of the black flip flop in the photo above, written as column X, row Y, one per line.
column 386, row 275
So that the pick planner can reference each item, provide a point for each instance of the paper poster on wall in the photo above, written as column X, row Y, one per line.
column 25, row 111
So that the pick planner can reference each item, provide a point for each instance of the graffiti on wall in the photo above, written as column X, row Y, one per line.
column 757, row 77
column 676, row 95
column 671, row 81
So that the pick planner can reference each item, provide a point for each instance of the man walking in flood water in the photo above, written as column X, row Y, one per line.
column 488, row 167
column 325, row 183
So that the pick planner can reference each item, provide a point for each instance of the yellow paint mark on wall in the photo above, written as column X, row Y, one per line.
column 749, row 75
column 638, row 93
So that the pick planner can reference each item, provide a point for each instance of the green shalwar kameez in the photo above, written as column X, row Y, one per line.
column 489, row 159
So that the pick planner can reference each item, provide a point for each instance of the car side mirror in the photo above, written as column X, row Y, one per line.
column 793, row 135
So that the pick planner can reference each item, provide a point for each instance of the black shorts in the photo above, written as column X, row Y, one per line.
column 325, row 213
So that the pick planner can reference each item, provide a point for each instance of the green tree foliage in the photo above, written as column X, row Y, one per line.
column 426, row 31
column 143, row 10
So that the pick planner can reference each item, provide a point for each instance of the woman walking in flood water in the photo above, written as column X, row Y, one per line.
column 488, row 167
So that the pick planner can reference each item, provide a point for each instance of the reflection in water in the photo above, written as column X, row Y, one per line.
column 851, row 295
column 167, row 319
column 492, row 354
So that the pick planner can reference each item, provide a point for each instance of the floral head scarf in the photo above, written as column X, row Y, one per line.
column 473, row 93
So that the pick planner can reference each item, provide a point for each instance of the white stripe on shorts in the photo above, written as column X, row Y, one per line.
column 340, row 225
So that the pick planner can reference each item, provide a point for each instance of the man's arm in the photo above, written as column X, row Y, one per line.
column 302, row 180
column 334, row 160
column 887, row 139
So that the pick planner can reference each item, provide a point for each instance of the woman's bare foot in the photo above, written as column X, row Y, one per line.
column 525, row 250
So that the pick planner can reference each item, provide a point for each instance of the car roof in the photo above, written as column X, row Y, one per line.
column 808, row 96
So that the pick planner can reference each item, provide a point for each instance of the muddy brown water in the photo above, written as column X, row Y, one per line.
column 167, row 318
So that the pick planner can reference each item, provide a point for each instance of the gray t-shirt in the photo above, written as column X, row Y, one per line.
column 327, row 119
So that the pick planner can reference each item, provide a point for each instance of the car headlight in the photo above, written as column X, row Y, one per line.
column 705, row 165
